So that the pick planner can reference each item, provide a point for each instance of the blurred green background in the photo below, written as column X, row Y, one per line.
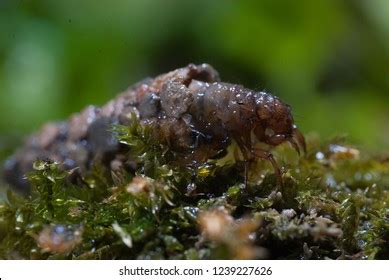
column 329, row 59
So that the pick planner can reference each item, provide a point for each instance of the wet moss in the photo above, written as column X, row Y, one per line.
column 333, row 205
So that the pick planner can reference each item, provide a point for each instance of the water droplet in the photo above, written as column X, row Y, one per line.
column 368, row 176
column 330, row 181
column 319, row 156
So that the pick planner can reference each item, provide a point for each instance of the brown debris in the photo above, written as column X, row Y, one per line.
column 219, row 226
column 138, row 185
column 59, row 238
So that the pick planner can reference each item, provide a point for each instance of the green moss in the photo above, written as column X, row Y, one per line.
column 331, row 205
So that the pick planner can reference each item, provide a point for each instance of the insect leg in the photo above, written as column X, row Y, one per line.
column 245, row 152
column 300, row 139
column 294, row 144
column 268, row 156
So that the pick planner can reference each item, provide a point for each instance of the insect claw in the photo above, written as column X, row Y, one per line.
column 299, row 137
column 294, row 145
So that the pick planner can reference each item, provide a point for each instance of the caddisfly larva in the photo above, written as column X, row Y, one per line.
column 190, row 110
